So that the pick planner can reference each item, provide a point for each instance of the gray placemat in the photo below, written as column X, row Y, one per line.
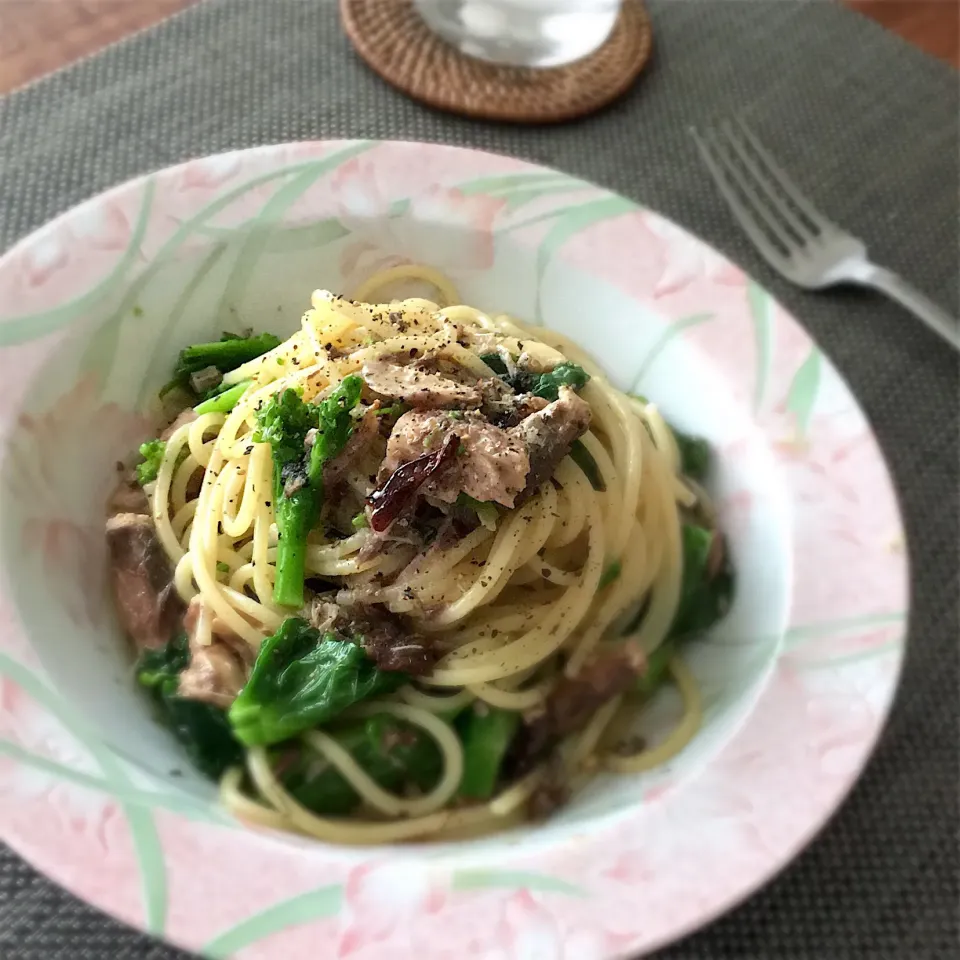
column 873, row 123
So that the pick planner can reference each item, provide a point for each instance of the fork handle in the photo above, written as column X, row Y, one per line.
column 919, row 304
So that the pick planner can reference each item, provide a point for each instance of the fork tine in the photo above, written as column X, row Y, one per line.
column 783, row 181
column 765, row 179
column 741, row 212
column 750, row 195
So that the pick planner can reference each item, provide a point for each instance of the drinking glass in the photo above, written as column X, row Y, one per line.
column 522, row 33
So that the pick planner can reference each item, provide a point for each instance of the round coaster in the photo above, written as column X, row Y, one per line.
column 396, row 43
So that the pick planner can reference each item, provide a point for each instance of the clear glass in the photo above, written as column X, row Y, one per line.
column 522, row 33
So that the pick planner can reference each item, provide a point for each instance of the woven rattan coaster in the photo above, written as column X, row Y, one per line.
column 390, row 36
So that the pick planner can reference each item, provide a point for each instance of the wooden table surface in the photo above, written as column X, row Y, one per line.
column 37, row 36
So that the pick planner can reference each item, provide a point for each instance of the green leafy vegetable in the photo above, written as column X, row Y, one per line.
column 705, row 595
column 582, row 457
column 546, row 385
column 705, row 598
column 610, row 573
column 360, row 521
column 302, row 680
column 152, row 452
column 563, row 375
column 487, row 733
column 205, row 733
column 284, row 423
column 201, row 728
column 695, row 455
column 392, row 753
column 226, row 354
column 485, row 510
column 157, row 667
column 495, row 362
column 223, row 401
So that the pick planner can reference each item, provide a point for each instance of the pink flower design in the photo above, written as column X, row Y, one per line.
column 89, row 851
column 24, row 722
column 381, row 240
column 686, row 260
column 42, row 259
column 380, row 898
column 104, row 225
column 208, row 173
column 772, row 759
column 551, row 927
column 818, row 651
column 72, row 557
column 15, row 642
column 94, row 229
column 61, row 514
column 77, row 428
column 840, row 511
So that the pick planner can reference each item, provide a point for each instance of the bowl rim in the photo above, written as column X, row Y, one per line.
column 16, row 663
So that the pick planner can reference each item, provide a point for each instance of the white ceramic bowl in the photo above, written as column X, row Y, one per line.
column 796, row 681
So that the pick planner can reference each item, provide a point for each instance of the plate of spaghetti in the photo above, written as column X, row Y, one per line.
column 411, row 552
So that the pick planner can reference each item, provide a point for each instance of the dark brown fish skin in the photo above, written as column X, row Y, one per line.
column 549, row 435
column 551, row 793
column 148, row 604
column 128, row 495
column 386, row 639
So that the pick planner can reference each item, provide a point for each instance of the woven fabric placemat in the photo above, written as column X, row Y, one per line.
column 393, row 39
column 874, row 125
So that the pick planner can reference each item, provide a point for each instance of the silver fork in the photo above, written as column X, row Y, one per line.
column 795, row 238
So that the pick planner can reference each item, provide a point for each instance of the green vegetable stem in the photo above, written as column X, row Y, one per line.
column 301, row 680
column 224, row 400
column 487, row 733
column 226, row 354
column 298, row 473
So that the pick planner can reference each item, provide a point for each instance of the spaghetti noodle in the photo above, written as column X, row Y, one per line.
column 494, row 569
